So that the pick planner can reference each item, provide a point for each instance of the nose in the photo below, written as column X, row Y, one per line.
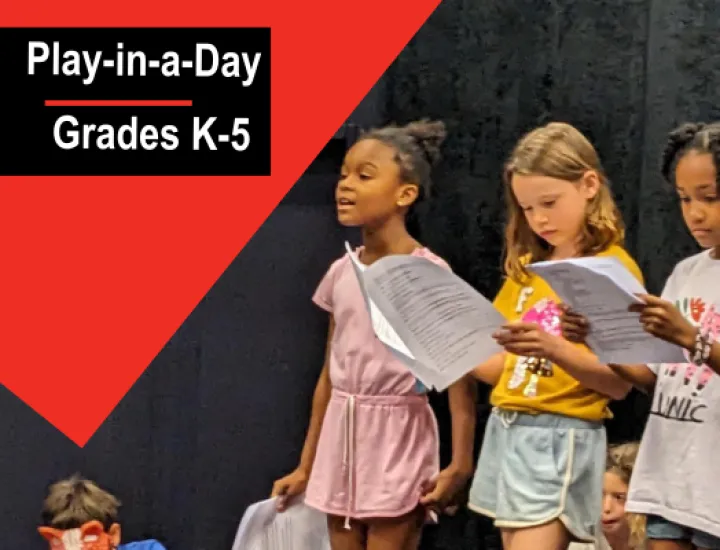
column 696, row 211
column 344, row 185
column 607, row 504
column 539, row 219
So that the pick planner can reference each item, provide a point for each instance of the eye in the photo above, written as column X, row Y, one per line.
column 526, row 208
column 681, row 198
column 548, row 204
column 710, row 198
column 365, row 176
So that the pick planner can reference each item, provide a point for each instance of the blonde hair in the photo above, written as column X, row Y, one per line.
column 557, row 150
column 70, row 503
column 621, row 461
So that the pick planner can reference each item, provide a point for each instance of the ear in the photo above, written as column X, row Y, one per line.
column 49, row 533
column 590, row 184
column 407, row 194
column 114, row 533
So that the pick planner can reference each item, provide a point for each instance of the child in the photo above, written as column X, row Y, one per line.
column 620, row 530
column 79, row 515
column 540, row 470
column 371, row 450
column 675, row 480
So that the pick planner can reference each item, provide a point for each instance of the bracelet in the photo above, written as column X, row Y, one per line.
column 703, row 346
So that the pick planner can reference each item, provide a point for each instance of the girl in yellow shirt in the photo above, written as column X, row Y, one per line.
column 541, row 467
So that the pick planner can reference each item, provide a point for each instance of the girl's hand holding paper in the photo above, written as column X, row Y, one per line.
column 527, row 340
column 663, row 320
column 575, row 327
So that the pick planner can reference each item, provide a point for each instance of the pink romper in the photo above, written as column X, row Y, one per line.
column 379, row 439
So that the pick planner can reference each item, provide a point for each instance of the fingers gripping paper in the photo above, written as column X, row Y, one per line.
column 435, row 322
column 297, row 528
column 602, row 290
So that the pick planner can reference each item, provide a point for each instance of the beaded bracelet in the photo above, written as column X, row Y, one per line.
column 703, row 345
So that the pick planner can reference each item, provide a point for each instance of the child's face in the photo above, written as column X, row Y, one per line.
column 613, row 513
column 695, row 180
column 555, row 209
column 370, row 189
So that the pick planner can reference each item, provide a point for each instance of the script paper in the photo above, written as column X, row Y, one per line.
column 444, row 323
column 297, row 528
column 602, row 289
column 386, row 333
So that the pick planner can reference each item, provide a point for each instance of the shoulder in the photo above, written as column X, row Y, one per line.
column 686, row 267
column 336, row 267
column 617, row 251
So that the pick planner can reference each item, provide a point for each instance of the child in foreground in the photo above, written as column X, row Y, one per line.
column 371, row 454
column 676, row 479
column 540, row 472
column 79, row 515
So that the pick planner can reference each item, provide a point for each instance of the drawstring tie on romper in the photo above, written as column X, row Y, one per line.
column 349, row 450
column 350, row 405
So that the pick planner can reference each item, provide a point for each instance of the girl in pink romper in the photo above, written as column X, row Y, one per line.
column 371, row 456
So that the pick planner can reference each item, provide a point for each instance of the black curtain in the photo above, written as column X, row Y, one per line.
column 222, row 411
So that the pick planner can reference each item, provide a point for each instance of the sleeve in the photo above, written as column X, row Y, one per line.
column 505, row 300
column 631, row 265
column 323, row 296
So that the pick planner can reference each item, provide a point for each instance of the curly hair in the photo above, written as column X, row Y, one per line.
column 72, row 502
column 691, row 136
column 417, row 146
column 557, row 150
column 621, row 461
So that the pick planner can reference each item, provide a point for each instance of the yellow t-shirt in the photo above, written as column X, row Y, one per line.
column 552, row 390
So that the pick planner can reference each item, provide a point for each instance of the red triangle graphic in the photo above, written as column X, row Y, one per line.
column 98, row 273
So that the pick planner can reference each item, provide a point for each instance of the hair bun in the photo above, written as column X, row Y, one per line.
column 677, row 140
column 429, row 135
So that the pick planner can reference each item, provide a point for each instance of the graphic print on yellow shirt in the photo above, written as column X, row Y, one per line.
column 547, row 314
column 535, row 385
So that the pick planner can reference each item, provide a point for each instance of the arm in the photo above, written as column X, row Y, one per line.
column 320, row 401
column 445, row 487
column 489, row 372
column 295, row 482
column 639, row 376
column 585, row 367
column 462, row 397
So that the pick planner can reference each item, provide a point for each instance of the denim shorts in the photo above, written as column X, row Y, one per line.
column 662, row 529
column 536, row 468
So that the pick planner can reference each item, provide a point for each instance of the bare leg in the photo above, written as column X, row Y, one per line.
column 551, row 536
column 346, row 539
column 667, row 544
column 507, row 536
column 401, row 533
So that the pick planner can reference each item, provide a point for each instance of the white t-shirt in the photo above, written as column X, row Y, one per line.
column 676, row 475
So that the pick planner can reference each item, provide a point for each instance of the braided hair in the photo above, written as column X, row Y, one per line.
column 691, row 136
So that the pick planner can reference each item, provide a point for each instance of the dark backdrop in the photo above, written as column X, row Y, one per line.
column 222, row 410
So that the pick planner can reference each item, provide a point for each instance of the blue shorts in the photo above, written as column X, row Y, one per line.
column 534, row 469
column 661, row 529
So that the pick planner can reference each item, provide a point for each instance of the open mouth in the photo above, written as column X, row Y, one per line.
column 345, row 202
